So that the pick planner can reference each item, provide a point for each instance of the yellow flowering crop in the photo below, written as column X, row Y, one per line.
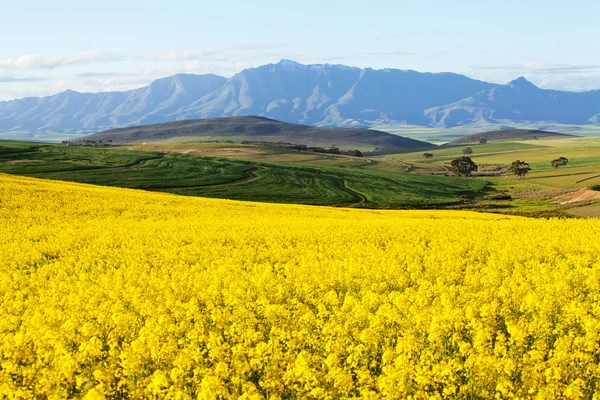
column 114, row 293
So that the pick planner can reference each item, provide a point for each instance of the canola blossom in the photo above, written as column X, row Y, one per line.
column 115, row 293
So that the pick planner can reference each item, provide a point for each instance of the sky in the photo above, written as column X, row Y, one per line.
column 50, row 46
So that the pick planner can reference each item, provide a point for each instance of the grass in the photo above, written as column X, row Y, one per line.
column 172, row 170
column 16, row 147
column 20, row 157
column 246, row 172
column 276, row 184
column 394, row 189
column 273, row 155
column 305, row 178
column 583, row 155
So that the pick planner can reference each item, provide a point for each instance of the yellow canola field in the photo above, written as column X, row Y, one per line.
column 117, row 293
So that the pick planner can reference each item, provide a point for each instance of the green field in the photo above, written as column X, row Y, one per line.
column 583, row 154
column 322, row 180
column 407, row 180
column 538, row 191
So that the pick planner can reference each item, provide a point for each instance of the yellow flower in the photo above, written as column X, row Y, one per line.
column 113, row 293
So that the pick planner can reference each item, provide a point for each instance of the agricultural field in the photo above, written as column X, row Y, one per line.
column 538, row 191
column 336, row 180
column 531, row 196
column 121, row 293
column 405, row 180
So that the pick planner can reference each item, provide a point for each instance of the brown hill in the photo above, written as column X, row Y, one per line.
column 240, row 129
column 509, row 134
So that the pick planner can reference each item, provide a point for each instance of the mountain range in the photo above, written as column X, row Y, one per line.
column 321, row 95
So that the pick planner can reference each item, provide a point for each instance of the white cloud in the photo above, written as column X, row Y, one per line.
column 16, row 79
column 540, row 67
column 225, row 53
column 194, row 65
column 171, row 55
column 35, row 62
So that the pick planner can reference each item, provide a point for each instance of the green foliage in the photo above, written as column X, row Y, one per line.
column 464, row 166
column 560, row 162
column 520, row 168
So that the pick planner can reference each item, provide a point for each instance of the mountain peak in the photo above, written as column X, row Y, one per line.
column 288, row 63
column 521, row 82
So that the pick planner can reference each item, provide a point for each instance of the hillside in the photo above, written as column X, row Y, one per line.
column 509, row 134
column 256, row 129
column 520, row 101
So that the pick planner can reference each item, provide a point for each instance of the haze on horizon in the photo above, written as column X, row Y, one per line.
column 51, row 47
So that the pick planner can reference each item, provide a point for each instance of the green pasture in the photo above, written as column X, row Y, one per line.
column 322, row 180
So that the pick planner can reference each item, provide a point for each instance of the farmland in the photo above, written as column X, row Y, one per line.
column 312, row 182
column 271, row 174
column 538, row 190
column 119, row 293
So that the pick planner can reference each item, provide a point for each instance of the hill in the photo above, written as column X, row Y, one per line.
column 509, row 134
column 519, row 101
column 256, row 129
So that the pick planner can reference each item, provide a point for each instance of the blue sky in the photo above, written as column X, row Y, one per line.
column 51, row 46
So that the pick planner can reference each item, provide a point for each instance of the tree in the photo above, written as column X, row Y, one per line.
column 520, row 168
column 483, row 141
column 109, row 142
column 560, row 162
column 428, row 155
column 464, row 166
column 467, row 150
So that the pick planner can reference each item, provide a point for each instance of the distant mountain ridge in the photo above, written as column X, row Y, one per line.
column 257, row 129
column 321, row 95
column 519, row 101
column 509, row 134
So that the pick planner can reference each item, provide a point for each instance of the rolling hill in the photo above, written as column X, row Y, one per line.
column 256, row 129
column 509, row 134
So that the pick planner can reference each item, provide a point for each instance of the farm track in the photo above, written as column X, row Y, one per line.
column 587, row 179
column 567, row 174
column 363, row 199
